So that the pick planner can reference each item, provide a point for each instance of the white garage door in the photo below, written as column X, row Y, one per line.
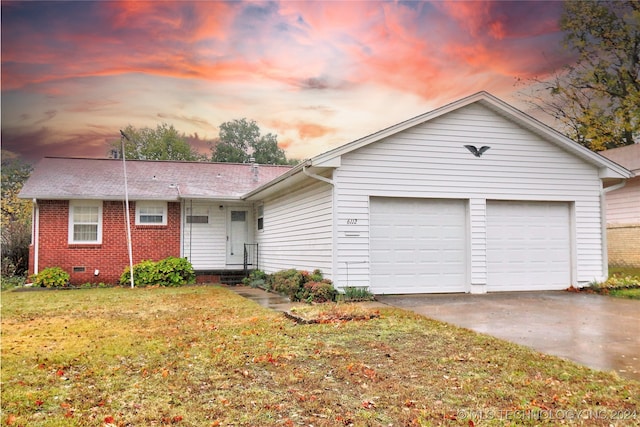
column 528, row 246
column 417, row 245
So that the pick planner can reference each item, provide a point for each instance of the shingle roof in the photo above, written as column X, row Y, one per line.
column 73, row 178
column 627, row 156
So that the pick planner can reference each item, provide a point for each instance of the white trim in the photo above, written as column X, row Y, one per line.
column 84, row 203
column 151, row 204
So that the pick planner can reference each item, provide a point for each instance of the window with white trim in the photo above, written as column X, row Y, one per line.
column 85, row 221
column 151, row 213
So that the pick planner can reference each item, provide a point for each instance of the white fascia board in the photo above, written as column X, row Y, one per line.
column 332, row 162
column 392, row 130
column 556, row 137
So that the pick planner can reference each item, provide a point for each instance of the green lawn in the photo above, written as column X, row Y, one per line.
column 203, row 356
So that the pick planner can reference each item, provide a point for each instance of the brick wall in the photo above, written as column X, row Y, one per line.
column 624, row 245
column 110, row 257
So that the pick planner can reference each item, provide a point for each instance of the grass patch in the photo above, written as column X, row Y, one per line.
column 626, row 293
column 204, row 356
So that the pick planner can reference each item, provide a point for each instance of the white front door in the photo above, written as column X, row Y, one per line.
column 238, row 235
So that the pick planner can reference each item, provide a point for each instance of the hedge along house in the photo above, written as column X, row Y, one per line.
column 475, row 196
column 194, row 210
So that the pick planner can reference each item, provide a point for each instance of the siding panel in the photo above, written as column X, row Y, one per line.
column 430, row 161
column 297, row 230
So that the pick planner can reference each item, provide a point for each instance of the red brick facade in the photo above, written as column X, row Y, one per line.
column 111, row 256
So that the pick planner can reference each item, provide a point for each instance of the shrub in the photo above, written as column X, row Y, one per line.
column 10, row 282
column 169, row 272
column 302, row 285
column 52, row 277
column 175, row 272
column 319, row 291
column 356, row 293
column 256, row 279
column 287, row 282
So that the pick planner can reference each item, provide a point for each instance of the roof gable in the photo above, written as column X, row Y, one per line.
column 608, row 168
column 73, row 178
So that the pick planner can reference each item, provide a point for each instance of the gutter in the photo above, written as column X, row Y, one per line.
column 296, row 169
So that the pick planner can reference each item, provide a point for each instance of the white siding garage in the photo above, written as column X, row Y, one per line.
column 528, row 246
column 418, row 245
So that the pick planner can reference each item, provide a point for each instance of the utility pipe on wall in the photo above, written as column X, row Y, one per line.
column 603, row 226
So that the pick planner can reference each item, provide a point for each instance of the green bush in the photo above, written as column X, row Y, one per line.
column 52, row 277
column 176, row 272
column 169, row 272
column 356, row 293
column 10, row 282
column 256, row 279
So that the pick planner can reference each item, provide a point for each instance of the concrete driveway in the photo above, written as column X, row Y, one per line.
column 597, row 331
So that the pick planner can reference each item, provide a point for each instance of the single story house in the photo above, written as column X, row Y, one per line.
column 475, row 196
column 623, row 210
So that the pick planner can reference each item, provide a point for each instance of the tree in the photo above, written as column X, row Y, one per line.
column 240, row 140
column 598, row 97
column 162, row 143
column 15, row 217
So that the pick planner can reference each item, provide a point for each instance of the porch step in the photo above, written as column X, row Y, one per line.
column 232, row 277
column 226, row 277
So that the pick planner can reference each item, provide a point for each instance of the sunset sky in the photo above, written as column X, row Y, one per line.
column 316, row 74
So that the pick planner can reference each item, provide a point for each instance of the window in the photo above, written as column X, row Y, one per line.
column 151, row 213
column 260, row 217
column 240, row 216
column 198, row 215
column 85, row 221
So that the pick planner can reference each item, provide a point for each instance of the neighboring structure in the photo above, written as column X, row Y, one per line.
column 475, row 196
column 623, row 210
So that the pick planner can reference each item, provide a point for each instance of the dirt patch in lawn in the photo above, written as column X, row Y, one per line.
column 331, row 312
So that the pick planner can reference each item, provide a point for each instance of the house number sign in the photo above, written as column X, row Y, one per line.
column 352, row 221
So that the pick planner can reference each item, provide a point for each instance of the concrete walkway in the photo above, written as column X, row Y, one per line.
column 594, row 330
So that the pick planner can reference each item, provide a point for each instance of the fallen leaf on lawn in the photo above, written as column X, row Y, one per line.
column 367, row 404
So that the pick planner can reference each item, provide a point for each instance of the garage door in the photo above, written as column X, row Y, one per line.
column 528, row 246
column 417, row 245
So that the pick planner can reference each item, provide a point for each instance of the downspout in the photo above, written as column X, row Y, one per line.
column 36, row 235
column 334, row 228
column 603, row 225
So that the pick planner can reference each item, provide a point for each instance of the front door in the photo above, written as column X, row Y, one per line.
column 238, row 236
